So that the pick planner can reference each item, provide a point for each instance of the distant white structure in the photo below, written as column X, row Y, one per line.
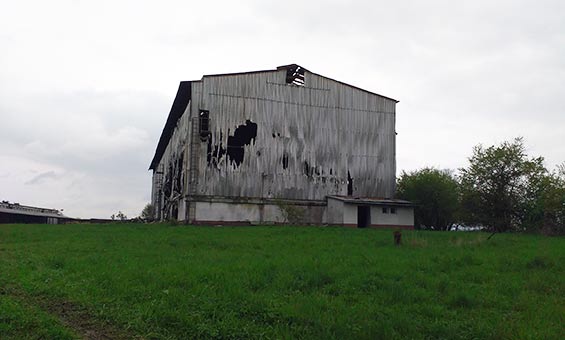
column 17, row 213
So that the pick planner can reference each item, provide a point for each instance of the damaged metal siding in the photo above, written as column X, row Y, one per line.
column 309, row 139
column 170, row 175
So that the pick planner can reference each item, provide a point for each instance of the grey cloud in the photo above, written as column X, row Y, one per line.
column 42, row 177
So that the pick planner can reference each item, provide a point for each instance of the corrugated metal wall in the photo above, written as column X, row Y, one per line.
column 332, row 127
column 170, row 176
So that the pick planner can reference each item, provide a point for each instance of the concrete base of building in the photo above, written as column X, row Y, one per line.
column 254, row 211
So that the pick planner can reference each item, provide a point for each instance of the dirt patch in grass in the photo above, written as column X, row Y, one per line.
column 71, row 315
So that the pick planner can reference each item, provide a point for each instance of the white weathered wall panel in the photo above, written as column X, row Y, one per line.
column 327, row 124
column 404, row 216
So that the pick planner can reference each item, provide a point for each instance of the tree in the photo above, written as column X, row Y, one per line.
column 546, row 213
column 435, row 193
column 120, row 216
column 148, row 213
column 500, row 186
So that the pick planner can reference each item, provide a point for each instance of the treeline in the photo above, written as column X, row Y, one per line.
column 501, row 189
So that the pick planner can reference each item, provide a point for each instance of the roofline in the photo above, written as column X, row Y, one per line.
column 183, row 97
column 372, row 201
column 30, row 213
column 355, row 87
column 284, row 67
column 236, row 73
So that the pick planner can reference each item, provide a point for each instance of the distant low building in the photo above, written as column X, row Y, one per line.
column 17, row 213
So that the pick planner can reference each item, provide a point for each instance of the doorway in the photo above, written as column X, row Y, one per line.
column 363, row 216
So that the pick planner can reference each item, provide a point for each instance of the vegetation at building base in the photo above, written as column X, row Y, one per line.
column 292, row 214
column 161, row 282
column 501, row 189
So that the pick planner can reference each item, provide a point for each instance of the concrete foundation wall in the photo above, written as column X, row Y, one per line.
column 334, row 213
column 256, row 213
column 217, row 212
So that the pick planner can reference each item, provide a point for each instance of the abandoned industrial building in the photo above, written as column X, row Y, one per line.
column 278, row 146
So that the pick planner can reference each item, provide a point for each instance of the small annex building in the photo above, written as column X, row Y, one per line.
column 278, row 146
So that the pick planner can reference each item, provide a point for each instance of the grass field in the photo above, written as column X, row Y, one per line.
column 173, row 282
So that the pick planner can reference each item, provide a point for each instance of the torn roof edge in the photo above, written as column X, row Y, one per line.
column 284, row 67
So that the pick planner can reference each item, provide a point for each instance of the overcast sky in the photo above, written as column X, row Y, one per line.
column 86, row 86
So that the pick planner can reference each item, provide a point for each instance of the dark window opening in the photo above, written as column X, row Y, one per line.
column 295, row 75
column 349, row 184
column 285, row 161
column 393, row 210
column 204, row 126
column 178, row 178
column 363, row 216
column 307, row 169
column 385, row 210
column 168, row 183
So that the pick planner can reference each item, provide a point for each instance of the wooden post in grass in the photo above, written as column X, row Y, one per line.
column 397, row 237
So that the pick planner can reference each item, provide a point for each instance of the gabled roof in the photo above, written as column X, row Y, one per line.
column 293, row 66
column 183, row 97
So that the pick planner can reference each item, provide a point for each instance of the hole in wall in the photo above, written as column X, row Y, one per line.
column 204, row 124
column 285, row 161
column 295, row 75
column 244, row 134
column 349, row 184
column 307, row 169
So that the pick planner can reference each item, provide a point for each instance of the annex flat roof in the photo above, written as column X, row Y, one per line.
column 372, row 201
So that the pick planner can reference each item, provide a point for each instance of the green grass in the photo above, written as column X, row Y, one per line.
column 176, row 282
column 19, row 321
